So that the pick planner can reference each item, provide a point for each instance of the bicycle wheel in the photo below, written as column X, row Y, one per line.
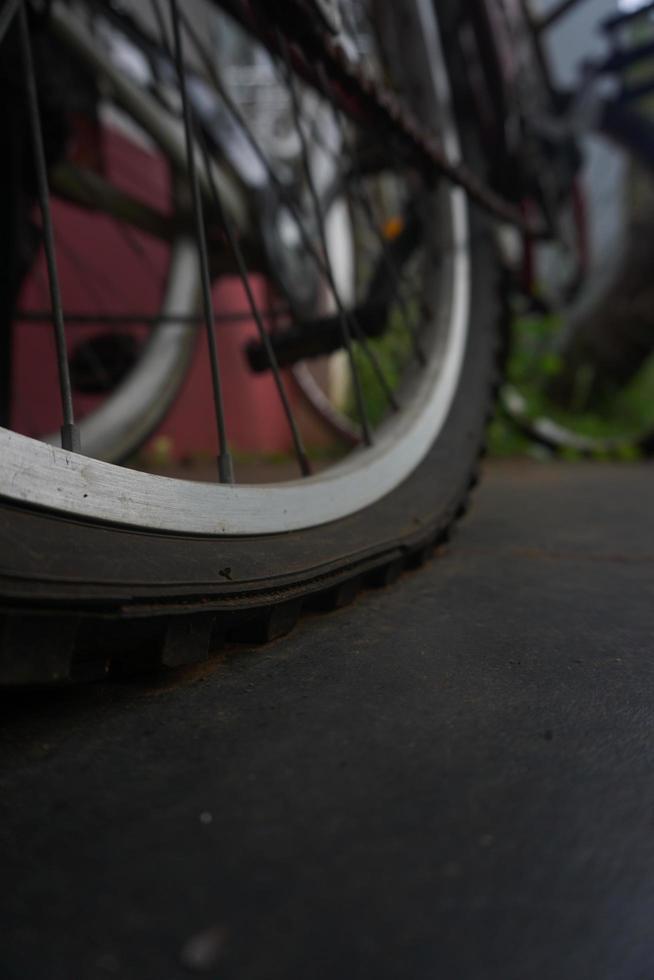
column 581, row 373
column 104, row 566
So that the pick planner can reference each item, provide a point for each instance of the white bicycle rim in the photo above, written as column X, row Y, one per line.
column 43, row 475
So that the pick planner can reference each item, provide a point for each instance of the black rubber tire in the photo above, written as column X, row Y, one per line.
column 82, row 600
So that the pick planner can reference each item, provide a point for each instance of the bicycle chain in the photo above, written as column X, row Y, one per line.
column 301, row 21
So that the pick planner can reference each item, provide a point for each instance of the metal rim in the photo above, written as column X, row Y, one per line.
column 67, row 482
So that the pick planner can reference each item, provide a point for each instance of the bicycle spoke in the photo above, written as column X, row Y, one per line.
column 225, row 466
column 362, row 197
column 237, row 252
column 307, row 243
column 69, row 433
column 396, row 274
column 307, row 202
column 366, row 204
column 346, row 320
column 298, row 445
column 276, row 187
column 349, row 319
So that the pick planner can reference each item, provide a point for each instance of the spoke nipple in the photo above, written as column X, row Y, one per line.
column 367, row 437
column 225, row 468
column 70, row 438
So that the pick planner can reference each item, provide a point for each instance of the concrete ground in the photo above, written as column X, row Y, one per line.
column 452, row 778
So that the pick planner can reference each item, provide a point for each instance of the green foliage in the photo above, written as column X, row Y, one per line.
column 533, row 363
column 618, row 415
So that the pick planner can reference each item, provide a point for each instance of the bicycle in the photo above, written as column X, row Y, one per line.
column 366, row 216
column 580, row 380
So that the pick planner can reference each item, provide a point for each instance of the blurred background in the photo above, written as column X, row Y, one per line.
column 614, row 309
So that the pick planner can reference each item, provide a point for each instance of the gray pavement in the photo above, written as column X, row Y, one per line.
column 451, row 778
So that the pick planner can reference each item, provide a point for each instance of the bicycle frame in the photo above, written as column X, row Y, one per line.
column 492, row 31
column 497, row 39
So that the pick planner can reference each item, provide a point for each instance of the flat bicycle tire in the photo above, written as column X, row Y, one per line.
column 83, row 599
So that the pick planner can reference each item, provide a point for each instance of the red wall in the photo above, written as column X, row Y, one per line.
column 103, row 269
